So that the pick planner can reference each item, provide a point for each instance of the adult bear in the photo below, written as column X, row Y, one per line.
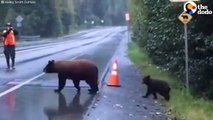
column 156, row 86
column 76, row 70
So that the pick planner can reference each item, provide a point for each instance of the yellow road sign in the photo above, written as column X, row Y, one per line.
column 185, row 17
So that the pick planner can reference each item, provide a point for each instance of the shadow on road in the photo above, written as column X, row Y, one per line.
column 74, row 111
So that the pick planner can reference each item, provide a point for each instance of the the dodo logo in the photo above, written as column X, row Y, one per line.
column 190, row 7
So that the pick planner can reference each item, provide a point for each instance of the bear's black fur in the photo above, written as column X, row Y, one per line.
column 76, row 70
column 156, row 86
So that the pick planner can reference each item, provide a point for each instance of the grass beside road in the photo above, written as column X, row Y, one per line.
column 184, row 106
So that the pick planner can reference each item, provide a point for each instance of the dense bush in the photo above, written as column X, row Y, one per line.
column 157, row 29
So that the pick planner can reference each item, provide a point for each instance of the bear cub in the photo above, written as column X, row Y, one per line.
column 156, row 86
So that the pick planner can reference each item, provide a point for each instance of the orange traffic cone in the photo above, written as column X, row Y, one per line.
column 114, row 78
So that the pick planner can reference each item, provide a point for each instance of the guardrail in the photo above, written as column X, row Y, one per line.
column 25, row 37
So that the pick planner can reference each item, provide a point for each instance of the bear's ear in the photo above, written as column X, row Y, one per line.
column 51, row 61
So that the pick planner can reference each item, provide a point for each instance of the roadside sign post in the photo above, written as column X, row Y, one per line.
column 127, row 18
column 186, row 56
column 185, row 18
column 19, row 20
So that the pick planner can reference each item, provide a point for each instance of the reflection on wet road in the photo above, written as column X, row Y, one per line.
column 73, row 109
column 44, row 104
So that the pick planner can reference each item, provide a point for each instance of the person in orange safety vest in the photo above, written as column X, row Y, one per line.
column 9, row 42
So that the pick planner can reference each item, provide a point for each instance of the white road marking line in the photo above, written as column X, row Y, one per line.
column 20, row 85
column 26, row 82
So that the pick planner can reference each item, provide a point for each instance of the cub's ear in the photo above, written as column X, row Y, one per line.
column 49, row 61
column 53, row 61
column 148, row 76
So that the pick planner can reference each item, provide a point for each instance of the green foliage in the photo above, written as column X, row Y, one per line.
column 183, row 105
column 10, row 16
column 157, row 29
column 50, row 18
column 111, row 11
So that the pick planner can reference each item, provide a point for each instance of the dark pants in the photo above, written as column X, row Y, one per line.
column 9, row 52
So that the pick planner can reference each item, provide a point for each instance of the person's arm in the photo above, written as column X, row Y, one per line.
column 7, row 32
column 3, row 33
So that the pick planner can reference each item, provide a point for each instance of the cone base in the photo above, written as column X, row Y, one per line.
column 114, row 85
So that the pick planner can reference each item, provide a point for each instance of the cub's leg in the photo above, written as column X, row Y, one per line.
column 154, row 94
column 166, row 96
column 61, row 82
column 149, row 91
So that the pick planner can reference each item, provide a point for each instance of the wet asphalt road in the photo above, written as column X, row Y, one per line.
column 37, row 101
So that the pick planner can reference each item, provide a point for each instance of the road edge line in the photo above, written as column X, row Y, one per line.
column 105, row 73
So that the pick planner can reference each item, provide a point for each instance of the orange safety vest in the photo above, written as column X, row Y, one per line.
column 10, row 39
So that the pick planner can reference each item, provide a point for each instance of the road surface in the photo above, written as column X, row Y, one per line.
column 36, row 100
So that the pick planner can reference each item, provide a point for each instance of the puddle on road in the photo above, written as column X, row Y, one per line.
column 36, row 103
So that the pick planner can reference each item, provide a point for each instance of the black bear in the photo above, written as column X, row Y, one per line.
column 75, row 70
column 156, row 86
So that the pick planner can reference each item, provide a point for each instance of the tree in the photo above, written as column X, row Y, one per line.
column 157, row 29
